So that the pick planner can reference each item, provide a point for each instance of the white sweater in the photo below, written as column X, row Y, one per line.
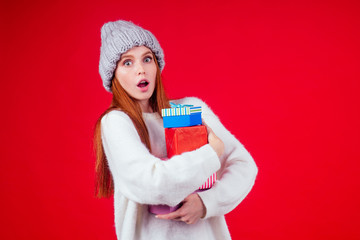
column 141, row 178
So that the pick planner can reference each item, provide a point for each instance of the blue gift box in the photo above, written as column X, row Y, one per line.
column 181, row 116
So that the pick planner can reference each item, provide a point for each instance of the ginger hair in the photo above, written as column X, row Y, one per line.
column 104, row 183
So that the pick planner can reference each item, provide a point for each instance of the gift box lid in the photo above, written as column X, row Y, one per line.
column 180, row 110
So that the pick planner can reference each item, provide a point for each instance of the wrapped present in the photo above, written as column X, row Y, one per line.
column 181, row 116
column 184, row 139
column 163, row 209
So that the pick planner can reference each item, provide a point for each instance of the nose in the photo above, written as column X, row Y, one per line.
column 140, row 69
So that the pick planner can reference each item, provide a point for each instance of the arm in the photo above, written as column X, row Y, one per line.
column 144, row 178
column 193, row 208
column 238, row 170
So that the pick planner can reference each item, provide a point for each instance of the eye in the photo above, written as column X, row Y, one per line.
column 127, row 63
column 147, row 59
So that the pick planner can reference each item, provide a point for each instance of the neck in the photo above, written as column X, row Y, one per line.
column 145, row 106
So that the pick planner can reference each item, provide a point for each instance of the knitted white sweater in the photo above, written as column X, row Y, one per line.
column 141, row 178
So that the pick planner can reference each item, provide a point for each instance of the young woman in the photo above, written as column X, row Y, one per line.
column 130, row 142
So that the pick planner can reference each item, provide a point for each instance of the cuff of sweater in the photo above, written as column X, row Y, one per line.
column 213, row 161
column 207, row 196
column 209, row 201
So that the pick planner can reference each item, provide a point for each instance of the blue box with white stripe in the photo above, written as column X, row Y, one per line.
column 181, row 116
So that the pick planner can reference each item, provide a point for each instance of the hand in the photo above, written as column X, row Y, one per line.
column 190, row 212
column 214, row 141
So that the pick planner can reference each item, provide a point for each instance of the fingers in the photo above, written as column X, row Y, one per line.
column 209, row 130
column 190, row 212
column 176, row 216
column 170, row 216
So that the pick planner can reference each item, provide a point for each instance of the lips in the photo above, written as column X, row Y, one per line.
column 143, row 83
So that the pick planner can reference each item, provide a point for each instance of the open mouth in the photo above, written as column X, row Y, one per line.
column 143, row 83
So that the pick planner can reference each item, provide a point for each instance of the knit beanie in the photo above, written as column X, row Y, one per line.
column 119, row 37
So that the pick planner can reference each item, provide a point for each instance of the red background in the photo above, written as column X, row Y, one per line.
column 282, row 76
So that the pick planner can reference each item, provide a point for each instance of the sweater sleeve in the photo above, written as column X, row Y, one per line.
column 144, row 178
column 237, row 174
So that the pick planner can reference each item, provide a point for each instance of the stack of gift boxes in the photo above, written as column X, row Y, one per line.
column 183, row 132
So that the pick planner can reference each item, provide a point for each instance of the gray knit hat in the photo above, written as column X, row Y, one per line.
column 119, row 37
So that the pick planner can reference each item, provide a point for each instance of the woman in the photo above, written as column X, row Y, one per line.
column 130, row 142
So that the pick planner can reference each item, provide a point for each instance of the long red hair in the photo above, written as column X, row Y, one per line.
column 104, row 184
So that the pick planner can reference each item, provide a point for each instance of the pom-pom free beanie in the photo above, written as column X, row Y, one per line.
column 119, row 37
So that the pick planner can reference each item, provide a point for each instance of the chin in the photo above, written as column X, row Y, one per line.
column 143, row 98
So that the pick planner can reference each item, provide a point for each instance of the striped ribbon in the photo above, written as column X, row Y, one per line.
column 180, row 111
column 209, row 182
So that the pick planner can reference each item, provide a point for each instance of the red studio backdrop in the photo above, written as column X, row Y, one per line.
column 283, row 77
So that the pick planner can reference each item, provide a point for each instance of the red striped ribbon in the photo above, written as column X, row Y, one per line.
column 209, row 182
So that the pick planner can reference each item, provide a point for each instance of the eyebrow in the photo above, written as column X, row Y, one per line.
column 125, row 56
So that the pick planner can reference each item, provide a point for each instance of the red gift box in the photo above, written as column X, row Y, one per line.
column 184, row 139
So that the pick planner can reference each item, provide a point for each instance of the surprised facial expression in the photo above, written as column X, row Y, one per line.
column 136, row 73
